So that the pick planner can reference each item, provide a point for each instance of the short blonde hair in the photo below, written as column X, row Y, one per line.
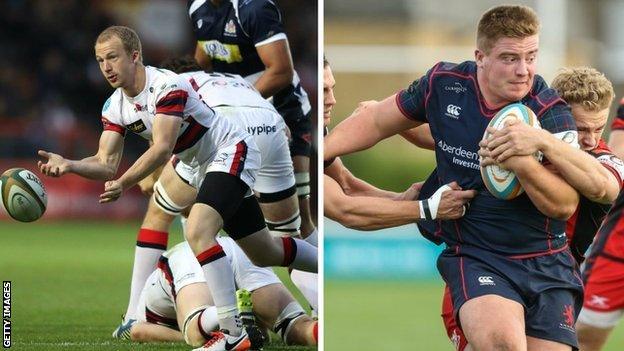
column 128, row 37
column 584, row 86
column 506, row 21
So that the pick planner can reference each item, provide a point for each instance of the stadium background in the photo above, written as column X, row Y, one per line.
column 71, row 269
column 382, row 290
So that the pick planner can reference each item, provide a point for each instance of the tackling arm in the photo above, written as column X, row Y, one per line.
column 278, row 65
column 366, row 127
column 550, row 193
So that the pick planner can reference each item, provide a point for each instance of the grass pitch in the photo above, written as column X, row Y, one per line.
column 362, row 316
column 70, row 284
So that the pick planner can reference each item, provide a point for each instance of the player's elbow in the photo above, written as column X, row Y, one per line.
column 560, row 211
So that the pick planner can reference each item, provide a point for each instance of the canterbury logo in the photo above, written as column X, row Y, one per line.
column 453, row 111
column 486, row 280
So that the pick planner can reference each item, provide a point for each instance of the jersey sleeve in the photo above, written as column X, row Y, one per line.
column 555, row 116
column 171, row 96
column 618, row 121
column 412, row 101
column 262, row 21
column 608, row 160
column 111, row 120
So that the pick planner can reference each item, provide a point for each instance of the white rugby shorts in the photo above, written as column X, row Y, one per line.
column 268, row 130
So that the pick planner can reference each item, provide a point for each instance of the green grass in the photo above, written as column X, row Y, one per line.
column 70, row 284
column 393, row 316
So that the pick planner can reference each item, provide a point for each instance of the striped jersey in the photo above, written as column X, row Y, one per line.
column 202, row 132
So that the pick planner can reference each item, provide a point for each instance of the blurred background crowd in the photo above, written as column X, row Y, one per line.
column 52, row 91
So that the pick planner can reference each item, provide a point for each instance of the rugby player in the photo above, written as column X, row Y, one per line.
column 589, row 94
column 163, row 107
column 236, row 99
column 494, row 249
column 175, row 303
column 248, row 38
column 357, row 204
column 603, row 272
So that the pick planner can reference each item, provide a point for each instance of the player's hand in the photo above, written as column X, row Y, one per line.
column 516, row 139
column 484, row 155
column 453, row 202
column 112, row 191
column 55, row 166
column 411, row 193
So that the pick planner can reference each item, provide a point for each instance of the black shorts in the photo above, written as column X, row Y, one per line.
column 549, row 287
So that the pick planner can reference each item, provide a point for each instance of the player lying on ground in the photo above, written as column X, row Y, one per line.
column 237, row 100
column 175, row 304
column 357, row 204
column 589, row 94
column 603, row 272
column 222, row 159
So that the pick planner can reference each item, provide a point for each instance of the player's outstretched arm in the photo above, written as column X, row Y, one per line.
column 278, row 64
column 165, row 132
column 353, row 186
column 580, row 169
column 101, row 166
column 549, row 192
column 366, row 127
column 147, row 332
column 373, row 213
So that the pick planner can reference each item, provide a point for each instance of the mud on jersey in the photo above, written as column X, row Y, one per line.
column 448, row 98
column 202, row 132
column 229, row 34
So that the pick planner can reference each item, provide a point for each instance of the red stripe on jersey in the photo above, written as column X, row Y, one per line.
column 194, row 84
column 617, row 124
column 108, row 125
column 173, row 103
column 239, row 159
column 163, row 265
column 190, row 136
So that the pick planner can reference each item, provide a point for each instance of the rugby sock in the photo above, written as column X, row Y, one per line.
column 149, row 246
column 299, row 254
column 313, row 238
column 307, row 283
column 220, row 279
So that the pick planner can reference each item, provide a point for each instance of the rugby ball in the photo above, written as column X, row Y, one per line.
column 500, row 182
column 23, row 195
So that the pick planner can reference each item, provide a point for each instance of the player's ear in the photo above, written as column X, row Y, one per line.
column 479, row 55
column 136, row 57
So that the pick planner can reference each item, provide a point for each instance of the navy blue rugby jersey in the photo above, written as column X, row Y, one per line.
column 229, row 34
column 448, row 98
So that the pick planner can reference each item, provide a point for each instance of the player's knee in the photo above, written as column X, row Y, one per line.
column 302, row 180
column 164, row 202
column 499, row 339
column 286, row 227
column 286, row 320
column 138, row 334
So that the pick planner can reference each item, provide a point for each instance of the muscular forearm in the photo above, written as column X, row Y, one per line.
column 365, row 212
column 353, row 186
column 549, row 193
column 94, row 168
column 272, row 81
column 153, row 158
column 582, row 171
